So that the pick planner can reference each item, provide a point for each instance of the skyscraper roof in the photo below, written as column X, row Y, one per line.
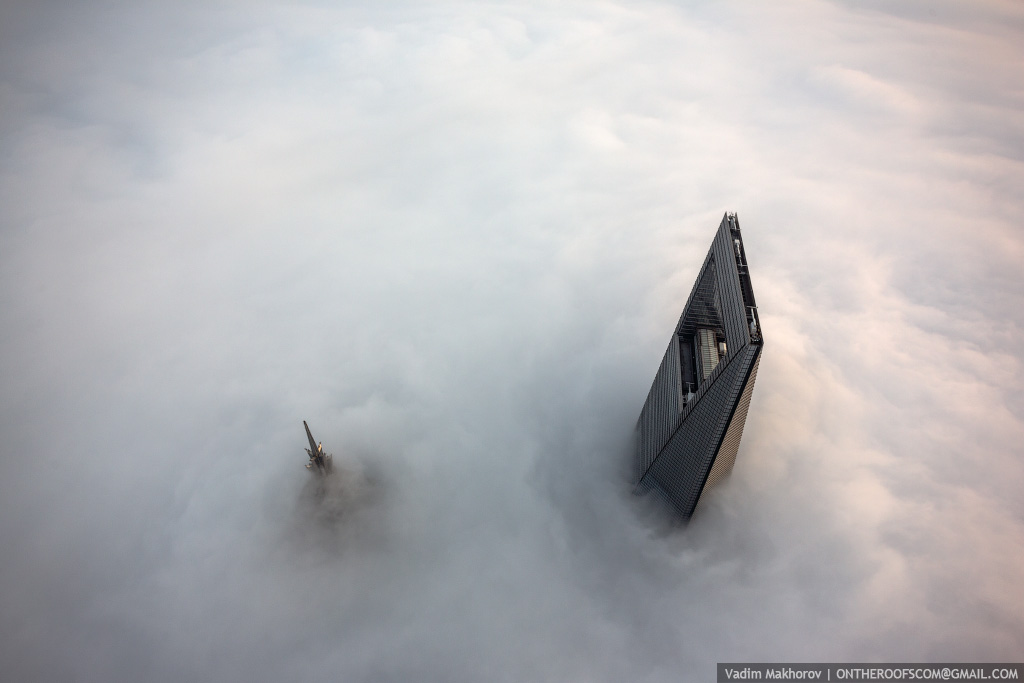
column 689, row 430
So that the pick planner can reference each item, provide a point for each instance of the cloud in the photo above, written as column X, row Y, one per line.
column 454, row 239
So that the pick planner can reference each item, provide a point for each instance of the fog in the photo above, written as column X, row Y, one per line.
column 455, row 238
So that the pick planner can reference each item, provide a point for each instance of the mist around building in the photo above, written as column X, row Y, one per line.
column 457, row 240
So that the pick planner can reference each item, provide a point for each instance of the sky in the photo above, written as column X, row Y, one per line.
column 455, row 238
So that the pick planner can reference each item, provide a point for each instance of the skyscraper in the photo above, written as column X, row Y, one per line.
column 690, row 427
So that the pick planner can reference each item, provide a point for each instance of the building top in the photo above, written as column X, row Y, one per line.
column 691, row 423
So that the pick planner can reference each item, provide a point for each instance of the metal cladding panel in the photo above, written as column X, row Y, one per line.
column 734, row 317
column 726, row 457
column 682, row 466
column 716, row 300
column 661, row 410
column 702, row 309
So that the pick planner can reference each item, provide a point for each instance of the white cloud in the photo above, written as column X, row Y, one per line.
column 454, row 239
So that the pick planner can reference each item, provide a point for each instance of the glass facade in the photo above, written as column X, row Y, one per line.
column 690, row 427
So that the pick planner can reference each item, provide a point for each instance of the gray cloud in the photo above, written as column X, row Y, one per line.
column 454, row 238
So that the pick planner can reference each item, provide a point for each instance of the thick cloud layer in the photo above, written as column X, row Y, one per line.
column 455, row 238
